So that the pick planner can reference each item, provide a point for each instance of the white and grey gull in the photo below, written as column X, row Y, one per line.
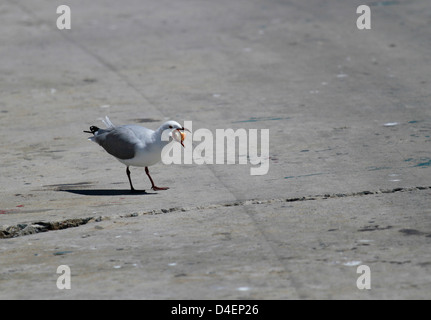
column 135, row 145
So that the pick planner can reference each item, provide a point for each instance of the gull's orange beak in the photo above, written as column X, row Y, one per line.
column 182, row 135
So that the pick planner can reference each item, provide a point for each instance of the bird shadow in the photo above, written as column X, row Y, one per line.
column 106, row 192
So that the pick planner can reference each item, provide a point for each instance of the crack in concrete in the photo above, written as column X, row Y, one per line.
column 23, row 229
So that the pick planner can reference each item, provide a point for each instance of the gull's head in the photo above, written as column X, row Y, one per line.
column 174, row 130
column 171, row 125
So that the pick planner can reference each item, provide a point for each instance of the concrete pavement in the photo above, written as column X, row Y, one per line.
column 349, row 169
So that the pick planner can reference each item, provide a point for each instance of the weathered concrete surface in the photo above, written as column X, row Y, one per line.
column 350, row 131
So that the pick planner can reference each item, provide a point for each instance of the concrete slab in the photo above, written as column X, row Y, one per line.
column 349, row 167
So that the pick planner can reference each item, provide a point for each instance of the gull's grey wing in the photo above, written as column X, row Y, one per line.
column 121, row 142
column 142, row 133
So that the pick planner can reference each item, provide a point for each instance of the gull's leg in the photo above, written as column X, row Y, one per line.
column 130, row 181
column 152, row 182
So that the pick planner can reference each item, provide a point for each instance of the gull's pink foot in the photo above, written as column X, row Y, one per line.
column 159, row 188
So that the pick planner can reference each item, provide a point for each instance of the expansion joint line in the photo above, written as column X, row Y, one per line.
column 22, row 229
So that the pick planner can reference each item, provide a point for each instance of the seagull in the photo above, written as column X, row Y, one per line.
column 134, row 145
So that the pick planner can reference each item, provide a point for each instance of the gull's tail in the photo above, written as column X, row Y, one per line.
column 108, row 123
column 94, row 130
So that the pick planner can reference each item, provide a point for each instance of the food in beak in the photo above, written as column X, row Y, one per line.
column 179, row 136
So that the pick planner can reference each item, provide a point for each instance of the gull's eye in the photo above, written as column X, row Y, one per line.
column 170, row 127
